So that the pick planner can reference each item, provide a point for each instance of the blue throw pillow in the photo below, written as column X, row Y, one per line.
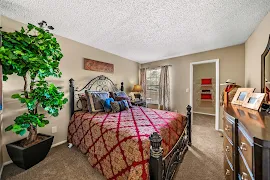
column 123, row 105
column 107, row 104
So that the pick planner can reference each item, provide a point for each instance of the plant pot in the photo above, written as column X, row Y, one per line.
column 27, row 157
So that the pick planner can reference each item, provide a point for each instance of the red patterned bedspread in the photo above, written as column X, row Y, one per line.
column 117, row 144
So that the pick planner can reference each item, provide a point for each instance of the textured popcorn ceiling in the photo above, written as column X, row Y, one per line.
column 145, row 30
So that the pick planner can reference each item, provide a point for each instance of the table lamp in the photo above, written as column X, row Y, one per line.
column 137, row 88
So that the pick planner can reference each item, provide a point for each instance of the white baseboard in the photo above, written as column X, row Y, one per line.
column 59, row 143
column 1, row 170
column 54, row 145
column 204, row 113
column 7, row 163
column 221, row 132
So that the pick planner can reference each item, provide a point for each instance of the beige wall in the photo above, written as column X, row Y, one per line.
column 254, row 47
column 72, row 67
column 200, row 71
column 232, row 65
column 207, row 70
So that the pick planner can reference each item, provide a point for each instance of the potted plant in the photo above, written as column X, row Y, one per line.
column 34, row 54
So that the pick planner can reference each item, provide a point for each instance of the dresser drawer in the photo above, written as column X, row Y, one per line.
column 244, row 174
column 228, row 128
column 245, row 147
column 228, row 172
column 228, row 149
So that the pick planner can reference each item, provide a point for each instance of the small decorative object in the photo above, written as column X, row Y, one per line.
column 241, row 95
column 229, row 92
column 33, row 58
column 254, row 101
column 99, row 66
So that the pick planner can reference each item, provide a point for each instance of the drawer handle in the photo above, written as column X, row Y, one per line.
column 227, row 173
column 227, row 149
column 244, row 176
column 243, row 146
column 227, row 128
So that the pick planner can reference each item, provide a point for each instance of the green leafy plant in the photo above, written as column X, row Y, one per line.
column 34, row 54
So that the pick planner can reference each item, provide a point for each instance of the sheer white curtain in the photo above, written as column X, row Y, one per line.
column 164, row 88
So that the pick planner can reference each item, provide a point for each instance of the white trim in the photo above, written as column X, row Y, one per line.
column 204, row 113
column 221, row 130
column 59, row 143
column 1, row 170
column 54, row 145
column 7, row 163
column 216, row 61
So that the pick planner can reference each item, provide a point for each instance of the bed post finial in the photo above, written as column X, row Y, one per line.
column 155, row 163
column 71, row 96
column 189, row 124
column 71, row 82
column 122, row 86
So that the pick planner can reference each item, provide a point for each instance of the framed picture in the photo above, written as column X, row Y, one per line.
column 254, row 101
column 98, row 66
column 241, row 95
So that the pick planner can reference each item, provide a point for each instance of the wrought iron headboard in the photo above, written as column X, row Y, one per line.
column 99, row 83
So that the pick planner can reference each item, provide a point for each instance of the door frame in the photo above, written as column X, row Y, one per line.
column 216, row 61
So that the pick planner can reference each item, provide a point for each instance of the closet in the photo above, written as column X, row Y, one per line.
column 204, row 85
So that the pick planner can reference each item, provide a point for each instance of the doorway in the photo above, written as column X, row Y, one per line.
column 204, row 89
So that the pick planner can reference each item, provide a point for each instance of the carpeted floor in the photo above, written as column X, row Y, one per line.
column 203, row 161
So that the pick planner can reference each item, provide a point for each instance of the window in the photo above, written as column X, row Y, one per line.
column 152, row 84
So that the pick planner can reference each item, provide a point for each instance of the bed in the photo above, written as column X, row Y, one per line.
column 138, row 143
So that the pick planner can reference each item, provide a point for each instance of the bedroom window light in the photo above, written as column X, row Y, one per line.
column 152, row 84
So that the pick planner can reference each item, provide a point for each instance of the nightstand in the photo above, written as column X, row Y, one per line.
column 139, row 103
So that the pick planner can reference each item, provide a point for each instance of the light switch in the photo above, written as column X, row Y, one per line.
column 187, row 90
column 54, row 129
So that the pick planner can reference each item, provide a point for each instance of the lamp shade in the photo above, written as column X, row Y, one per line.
column 137, row 88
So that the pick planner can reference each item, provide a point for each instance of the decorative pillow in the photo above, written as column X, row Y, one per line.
column 123, row 105
column 83, row 100
column 118, row 106
column 107, row 104
column 112, row 95
column 115, row 107
column 94, row 100
column 118, row 98
column 121, row 95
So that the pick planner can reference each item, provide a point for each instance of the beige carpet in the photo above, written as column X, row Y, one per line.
column 203, row 161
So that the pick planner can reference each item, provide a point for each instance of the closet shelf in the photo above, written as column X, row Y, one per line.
column 206, row 100
column 205, row 92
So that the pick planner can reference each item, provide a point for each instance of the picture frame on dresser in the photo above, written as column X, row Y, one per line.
column 241, row 95
column 254, row 101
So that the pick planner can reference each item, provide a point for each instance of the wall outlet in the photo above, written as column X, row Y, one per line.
column 54, row 129
column 176, row 110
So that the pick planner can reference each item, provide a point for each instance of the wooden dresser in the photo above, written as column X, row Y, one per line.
column 246, row 144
